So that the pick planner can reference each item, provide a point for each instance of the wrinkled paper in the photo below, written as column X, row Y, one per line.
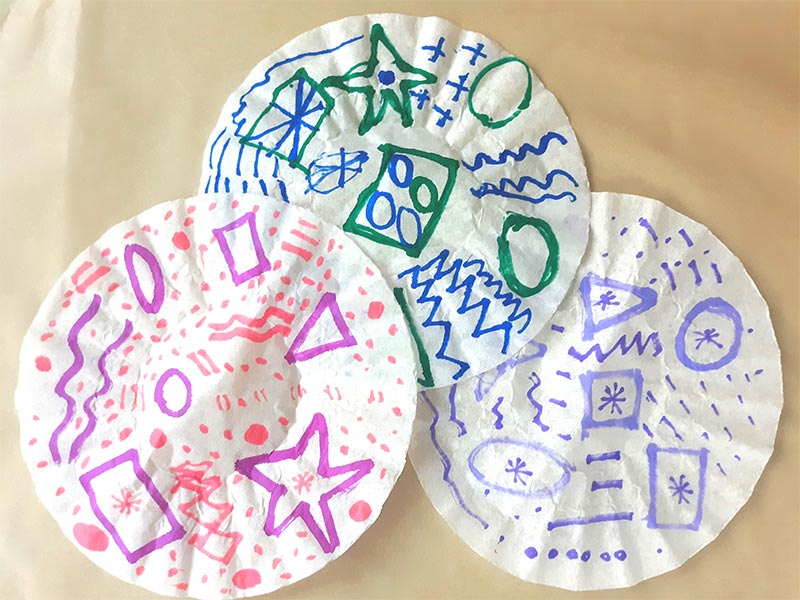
column 442, row 155
column 216, row 398
column 629, row 433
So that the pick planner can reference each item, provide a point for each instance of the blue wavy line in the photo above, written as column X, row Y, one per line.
column 482, row 159
column 446, row 463
column 501, row 188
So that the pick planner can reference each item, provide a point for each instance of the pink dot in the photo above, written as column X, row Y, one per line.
column 392, row 329
column 90, row 537
column 360, row 511
column 158, row 438
column 43, row 363
column 256, row 434
column 181, row 241
column 375, row 310
column 246, row 578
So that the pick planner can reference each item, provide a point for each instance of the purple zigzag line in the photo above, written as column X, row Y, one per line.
column 91, row 420
column 498, row 423
column 621, row 344
column 446, row 463
column 247, row 467
column 74, row 368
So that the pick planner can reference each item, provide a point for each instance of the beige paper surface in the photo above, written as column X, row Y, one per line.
column 695, row 104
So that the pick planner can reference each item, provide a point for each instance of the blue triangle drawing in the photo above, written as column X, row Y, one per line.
column 647, row 300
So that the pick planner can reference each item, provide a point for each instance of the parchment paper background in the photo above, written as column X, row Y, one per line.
column 696, row 105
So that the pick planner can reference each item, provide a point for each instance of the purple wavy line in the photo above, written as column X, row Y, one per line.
column 74, row 368
column 91, row 420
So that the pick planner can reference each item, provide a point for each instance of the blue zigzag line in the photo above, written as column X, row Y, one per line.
column 446, row 463
column 482, row 159
column 621, row 344
column 507, row 300
column 501, row 188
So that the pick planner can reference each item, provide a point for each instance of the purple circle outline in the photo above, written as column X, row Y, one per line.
column 158, row 394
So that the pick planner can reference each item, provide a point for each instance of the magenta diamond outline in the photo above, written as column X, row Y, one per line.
column 176, row 533
column 262, row 266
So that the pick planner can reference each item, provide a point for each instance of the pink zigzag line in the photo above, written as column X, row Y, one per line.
column 91, row 420
column 74, row 368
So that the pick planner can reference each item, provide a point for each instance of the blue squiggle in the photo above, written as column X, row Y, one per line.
column 505, row 186
column 447, row 465
column 482, row 159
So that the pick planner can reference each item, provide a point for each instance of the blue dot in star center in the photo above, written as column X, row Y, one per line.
column 386, row 77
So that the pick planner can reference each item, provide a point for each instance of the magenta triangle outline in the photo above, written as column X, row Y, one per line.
column 328, row 301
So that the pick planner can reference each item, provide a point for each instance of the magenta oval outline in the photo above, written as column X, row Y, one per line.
column 149, row 306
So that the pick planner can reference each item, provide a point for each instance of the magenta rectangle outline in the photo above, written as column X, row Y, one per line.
column 176, row 533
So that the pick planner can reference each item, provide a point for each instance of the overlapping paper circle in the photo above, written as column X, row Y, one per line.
column 443, row 156
column 216, row 398
column 629, row 433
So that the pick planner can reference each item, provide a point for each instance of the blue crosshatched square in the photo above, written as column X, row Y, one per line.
column 612, row 399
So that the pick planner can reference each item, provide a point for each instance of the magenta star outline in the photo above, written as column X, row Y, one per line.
column 360, row 468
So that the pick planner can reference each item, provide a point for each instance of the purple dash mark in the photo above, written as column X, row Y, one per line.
column 639, row 254
column 737, row 457
column 739, row 397
column 558, row 402
column 262, row 263
column 647, row 430
column 565, row 436
column 677, row 263
column 328, row 539
column 717, row 275
column 705, row 435
column 692, row 264
column 718, row 307
column 498, row 424
column 564, row 374
column 153, row 305
column 749, row 418
column 623, row 231
column 650, row 397
column 327, row 302
column 608, row 484
column 158, row 394
column 747, row 377
column 77, row 364
column 446, row 463
column 557, row 328
column 653, row 280
column 728, row 431
column 703, row 385
column 451, row 396
column 669, row 424
column 714, row 408
column 669, row 381
column 728, row 377
column 683, row 404
column 495, row 447
column 721, row 470
column 646, row 224
column 615, row 455
column 686, row 237
column 622, row 516
column 758, row 372
column 670, row 276
column 176, row 531
column 608, row 300
column 91, row 418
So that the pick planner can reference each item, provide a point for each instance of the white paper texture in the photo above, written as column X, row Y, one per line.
column 625, row 438
column 216, row 397
column 442, row 155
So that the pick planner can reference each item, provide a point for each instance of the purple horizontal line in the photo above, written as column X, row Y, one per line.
column 557, row 328
column 604, row 485
column 590, row 458
column 564, row 374
column 589, row 520
column 558, row 402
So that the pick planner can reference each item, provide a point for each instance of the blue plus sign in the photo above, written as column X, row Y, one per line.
column 422, row 97
column 436, row 51
column 446, row 116
column 477, row 52
column 459, row 86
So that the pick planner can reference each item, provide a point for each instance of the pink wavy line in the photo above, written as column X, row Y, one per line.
column 283, row 315
column 253, row 336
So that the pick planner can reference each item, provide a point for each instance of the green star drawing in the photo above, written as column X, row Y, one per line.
column 390, row 83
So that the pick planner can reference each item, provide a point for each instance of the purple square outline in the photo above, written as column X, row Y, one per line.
column 176, row 533
column 262, row 266
column 631, row 421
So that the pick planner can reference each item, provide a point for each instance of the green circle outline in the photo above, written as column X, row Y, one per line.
column 485, row 119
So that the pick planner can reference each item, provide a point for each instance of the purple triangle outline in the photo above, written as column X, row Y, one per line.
column 328, row 301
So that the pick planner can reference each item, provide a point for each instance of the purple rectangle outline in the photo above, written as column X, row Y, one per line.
column 631, row 421
column 262, row 265
column 176, row 533
column 652, row 455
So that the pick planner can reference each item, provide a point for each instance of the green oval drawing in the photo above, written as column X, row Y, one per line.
column 515, row 222
column 524, row 103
